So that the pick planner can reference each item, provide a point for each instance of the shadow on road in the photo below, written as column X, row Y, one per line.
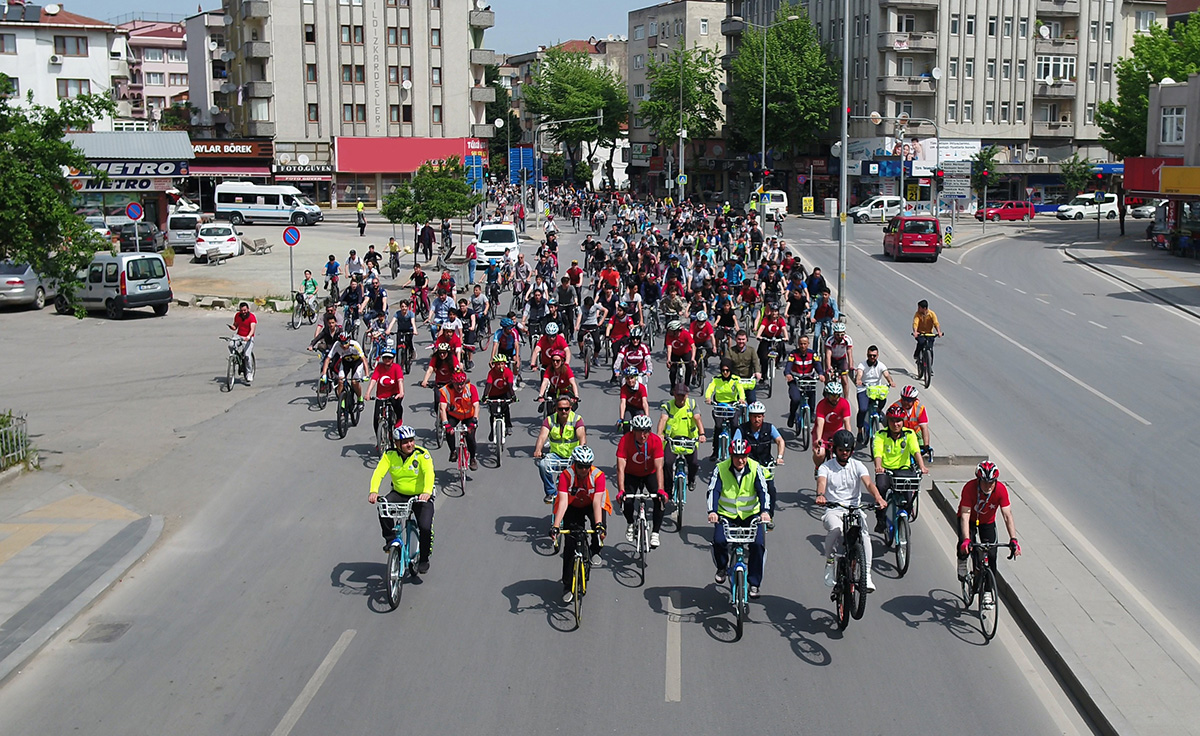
column 546, row 595
column 365, row 452
column 362, row 578
column 533, row 530
column 940, row 607
column 798, row 625
column 708, row 606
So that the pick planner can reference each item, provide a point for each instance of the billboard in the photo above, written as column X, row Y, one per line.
column 925, row 153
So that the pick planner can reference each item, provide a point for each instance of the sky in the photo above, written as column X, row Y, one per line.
column 521, row 25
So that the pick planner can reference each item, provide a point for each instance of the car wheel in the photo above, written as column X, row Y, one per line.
column 1111, row 216
column 160, row 310
column 236, row 219
column 61, row 305
column 298, row 219
column 1078, row 215
column 113, row 309
column 39, row 299
column 996, row 217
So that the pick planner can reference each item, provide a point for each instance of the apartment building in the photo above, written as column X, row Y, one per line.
column 1023, row 75
column 208, row 73
column 158, row 67
column 368, row 89
column 654, row 33
column 57, row 54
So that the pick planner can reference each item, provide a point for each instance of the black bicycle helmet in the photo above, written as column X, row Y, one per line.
column 843, row 440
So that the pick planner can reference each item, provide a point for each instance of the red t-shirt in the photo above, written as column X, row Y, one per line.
column 581, row 489
column 639, row 458
column 681, row 343
column 835, row 417
column 242, row 325
column 702, row 333
column 620, row 328
column 388, row 378
column 549, row 345
column 560, row 381
column 983, row 510
column 444, row 368
column 611, row 276
column 634, row 398
column 472, row 252
column 749, row 294
column 576, row 275
column 453, row 338
column 773, row 327
column 499, row 381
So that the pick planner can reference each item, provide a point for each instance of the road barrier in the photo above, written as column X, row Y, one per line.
column 14, row 440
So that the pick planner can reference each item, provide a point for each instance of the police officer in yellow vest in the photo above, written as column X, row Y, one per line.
column 561, row 433
column 681, row 420
column 737, row 495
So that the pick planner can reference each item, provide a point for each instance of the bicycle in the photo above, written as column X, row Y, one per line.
column 420, row 302
column 324, row 385
column 464, row 456
column 387, row 421
column 980, row 584
column 404, row 550
column 581, row 569
column 350, row 322
column 302, row 310
column 347, row 408
column 698, row 373
column 876, row 399
column 641, row 529
column 779, row 225
column 925, row 358
column 586, row 352
column 725, row 416
column 905, row 490
column 850, row 586
column 493, row 297
column 680, row 447
column 678, row 371
column 331, row 288
column 773, row 352
column 404, row 351
column 394, row 263
column 237, row 362
column 804, row 413
column 495, row 408
column 739, row 537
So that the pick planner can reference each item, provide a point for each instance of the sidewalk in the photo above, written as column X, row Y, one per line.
column 1158, row 274
column 60, row 548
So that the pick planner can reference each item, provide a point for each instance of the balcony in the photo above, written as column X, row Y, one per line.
column 1049, row 129
column 1057, row 7
column 256, row 9
column 259, row 89
column 727, row 61
column 1056, row 46
column 916, row 4
column 909, row 42
column 1059, row 89
column 256, row 49
column 907, row 85
column 920, row 130
column 483, row 131
column 216, row 53
column 483, row 94
column 260, row 129
column 481, row 18
column 733, row 26
column 486, row 57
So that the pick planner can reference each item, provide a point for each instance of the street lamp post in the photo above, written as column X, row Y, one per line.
column 537, row 196
column 843, row 175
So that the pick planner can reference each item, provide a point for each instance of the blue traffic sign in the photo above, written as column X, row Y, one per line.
column 134, row 211
column 291, row 236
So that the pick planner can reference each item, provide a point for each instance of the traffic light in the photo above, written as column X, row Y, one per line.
column 766, row 174
column 983, row 177
column 939, row 176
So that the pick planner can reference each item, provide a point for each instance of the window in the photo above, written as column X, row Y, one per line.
column 393, row 35
column 156, row 79
column 358, row 34
column 1094, row 31
column 906, row 23
column 1143, row 19
column 405, row 36
column 1006, row 69
column 360, row 113
column 866, row 25
column 1021, row 67
column 435, row 76
column 952, row 69
column 639, row 91
column 969, row 69
column 310, row 33
column 435, row 37
column 638, row 122
column 639, row 61
column 665, row 30
column 952, row 110
column 1004, row 109
column 406, row 113
column 177, row 80
column 73, row 88
column 704, row 26
column 991, row 68
column 360, row 74
column 346, row 36
column 1173, row 121
column 954, row 24
column 347, row 113
column 992, row 25
column 989, row 111
column 905, row 107
column 393, row 113
column 1091, row 72
column 1008, row 27
column 310, row 72
column 436, row 115
column 653, row 28
column 1023, row 27
column 1107, row 73
column 639, row 33
column 147, row 54
column 857, row 26
column 678, row 27
column 177, row 55
column 161, row 103
column 1108, row 31
column 1020, row 112
column 393, row 75
column 435, row 3
column 8, row 43
column 76, row 46
column 968, row 111
column 1057, row 67
column 970, row 25
column 314, row 112
column 906, row 67
column 14, row 87
column 406, row 74
column 1089, row 113
column 347, row 73
column 856, row 68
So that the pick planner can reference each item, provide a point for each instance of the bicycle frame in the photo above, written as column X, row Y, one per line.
column 738, row 538
column 724, row 415
column 404, row 549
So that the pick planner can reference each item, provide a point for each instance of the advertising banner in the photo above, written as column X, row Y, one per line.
column 924, row 153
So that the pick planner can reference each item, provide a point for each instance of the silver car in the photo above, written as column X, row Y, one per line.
column 20, row 285
column 1147, row 211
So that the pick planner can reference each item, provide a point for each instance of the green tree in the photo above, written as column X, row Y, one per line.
column 803, row 84
column 435, row 192
column 555, row 168
column 177, row 117
column 500, row 109
column 1155, row 55
column 38, row 222
column 985, row 160
column 584, row 173
column 1076, row 173
column 566, row 85
column 691, row 77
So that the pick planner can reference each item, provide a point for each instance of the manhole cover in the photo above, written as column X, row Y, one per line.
column 103, row 633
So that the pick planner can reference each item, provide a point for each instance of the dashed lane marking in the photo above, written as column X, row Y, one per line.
column 1130, row 339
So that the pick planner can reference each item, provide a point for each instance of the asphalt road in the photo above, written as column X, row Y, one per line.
column 261, row 611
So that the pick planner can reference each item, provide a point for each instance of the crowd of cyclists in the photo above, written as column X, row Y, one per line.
column 678, row 290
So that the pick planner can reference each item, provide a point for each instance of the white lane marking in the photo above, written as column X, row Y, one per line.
column 1067, row 311
column 1130, row 339
column 1097, row 324
column 1018, row 290
column 998, row 281
column 314, row 684
column 967, row 267
column 1043, row 301
column 1086, row 386
column 1050, row 510
column 981, row 273
column 674, row 692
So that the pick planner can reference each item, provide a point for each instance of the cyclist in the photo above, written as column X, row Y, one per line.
column 634, row 400
column 738, row 494
column 558, row 379
column 681, row 419
column 326, row 337
column 841, row 479
column 333, row 271
column 588, row 328
column 411, row 471
column 745, row 363
column 681, row 346
column 727, row 323
column 533, row 316
column 245, row 325
column 349, row 358
column 925, row 329
column 507, row 342
column 548, row 344
column 801, row 364
column 915, row 417
column 403, row 324
column 766, row 444
column 458, row 403
column 703, row 335
column 870, row 373
column 981, row 498
column 580, row 489
column 823, row 313
column 501, row 385
column 439, row 311
column 772, row 329
column 309, row 288
column 442, row 367
column 896, row 450
column 634, row 354
column 522, row 273
column 561, row 433
column 575, row 280
column 640, row 469
column 725, row 389
column 393, row 254
column 831, row 415
column 352, row 300
column 387, row 386
column 839, row 355
column 420, row 287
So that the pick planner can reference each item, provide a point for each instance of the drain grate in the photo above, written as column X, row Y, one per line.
column 103, row 633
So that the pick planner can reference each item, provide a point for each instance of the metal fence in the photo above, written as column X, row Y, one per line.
column 14, row 440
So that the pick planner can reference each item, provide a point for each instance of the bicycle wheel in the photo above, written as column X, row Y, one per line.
column 740, row 598
column 680, row 501
column 343, row 421
column 770, row 376
column 968, row 588
column 355, row 409
column 578, row 588
column 989, row 615
column 858, row 579
column 230, row 372
column 641, row 538
column 901, row 544
column 586, row 354
column 926, row 371
column 394, row 583
column 297, row 314
column 804, row 434
column 841, row 594
column 310, row 314
column 914, row 502
column 322, row 394
column 498, row 434
column 463, row 459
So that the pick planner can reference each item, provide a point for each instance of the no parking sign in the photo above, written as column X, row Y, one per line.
column 291, row 236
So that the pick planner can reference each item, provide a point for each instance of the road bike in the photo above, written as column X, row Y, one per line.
column 804, row 412
column 404, row 549
column 581, row 569
column 850, row 584
column 980, row 585
column 681, row 447
column 238, row 364
column 499, row 433
column 348, row 408
column 904, row 491
column 387, row 421
column 725, row 416
column 464, row 455
column 641, row 528
column 303, row 310
column 739, row 538
column 774, row 347
column 876, row 399
column 925, row 358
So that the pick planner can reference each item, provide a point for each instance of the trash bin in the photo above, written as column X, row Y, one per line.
column 831, row 207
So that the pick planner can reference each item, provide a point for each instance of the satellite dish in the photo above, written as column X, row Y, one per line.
column 213, row 46
column 406, row 84
column 52, row 9
column 227, row 87
column 499, row 123
column 228, row 20
column 902, row 118
column 1044, row 31
column 227, row 56
column 214, row 110
column 195, row 120
column 937, row 72
column 302, row 159
column 1049, row 79
column 228, row 127
column 1029, row 155
column 285, row 158
column 876, row 118
column 836, row 149
column 1168, row 80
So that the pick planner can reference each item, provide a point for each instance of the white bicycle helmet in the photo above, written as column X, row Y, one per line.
column 583, row 455
column 839, row 328
column 833, row 388
column 758, row 408
column 640, row 422
column 403, row 432
column 551, row 329
column 674, row 325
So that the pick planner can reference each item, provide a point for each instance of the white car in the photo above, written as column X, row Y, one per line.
column 1147, row 211
column 98, row 224
column 1084, row 207
column 217, row 236
column 495, row 238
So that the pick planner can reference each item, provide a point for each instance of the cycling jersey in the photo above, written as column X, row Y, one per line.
column 388, row 379
column 680, row 344
column 983, row 508
column 460, row 404
column 896, row 453
column 702, row 333
column 839, row 349
column 559, row 381
column 635, row 398
column 582, row 487
column 633, row 356
column 444, row 368
column 772, row 328
column 411, row 475
column 620, row 327
column 500, row 381
column 350, row 353
column 835, row 418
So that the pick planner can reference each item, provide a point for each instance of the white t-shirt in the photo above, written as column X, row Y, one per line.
column 871, row 375
column 843, row 484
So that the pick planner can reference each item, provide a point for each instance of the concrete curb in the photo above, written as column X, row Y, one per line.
column 1037, row 635
column 1067, row 250
column 968, row 460
column 44, row 633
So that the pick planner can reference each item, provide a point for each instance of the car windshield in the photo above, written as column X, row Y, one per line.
column 920, row 227
column 141, row 269
column 215, row 231
column 1083, row 202
column 95, row 221
column 305, row 201
column 499, row 235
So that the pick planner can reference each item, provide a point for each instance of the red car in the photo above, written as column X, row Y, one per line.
column 917, row 236
column 1006, row 211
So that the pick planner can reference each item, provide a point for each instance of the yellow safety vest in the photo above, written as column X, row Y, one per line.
column 738, row 500
column 681, row 420
column 562, row 436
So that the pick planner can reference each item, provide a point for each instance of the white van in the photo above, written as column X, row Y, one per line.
column 773, row 202
column 1084, row 206
column 877, row 209
column 497, row 237
column 181, row 230
column 239, row 202
column 113, row 283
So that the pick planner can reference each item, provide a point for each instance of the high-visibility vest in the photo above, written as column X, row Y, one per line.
column 562, row 437
column 681, row 420
column 738, row 500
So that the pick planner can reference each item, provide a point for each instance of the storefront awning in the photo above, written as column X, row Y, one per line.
column 230, row 172
column 399, row 155
column 1142, row 174
column 303, row 177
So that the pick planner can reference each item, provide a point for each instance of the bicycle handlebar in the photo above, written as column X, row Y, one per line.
column 851, row 506
column 1012, row 548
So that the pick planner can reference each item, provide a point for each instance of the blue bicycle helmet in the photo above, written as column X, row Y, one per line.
column 631, row 371
column 507, row 323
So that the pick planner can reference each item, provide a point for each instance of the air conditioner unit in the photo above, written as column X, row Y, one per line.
column 56, row 59
column 710, row 163
column 1031, row 153
column 1043, row 159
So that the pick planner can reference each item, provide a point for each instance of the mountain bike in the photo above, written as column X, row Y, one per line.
column 775, row 345
column 493, row 297
column 404, row 351
column 325, row 384
column 499, row 433
column 905, row 488
column 387, row 421
column 420, row 302
column 404, row 550
column 680, row 447
column 876, row 399
column 394, row 263
column 348, row 408
column 980, row 585
column 925, row 358
column 850, row 586
column 586, row 352
column 350, row 322
column 582, row 567
column 641, row 528
column 302, row 310
column 739, row 538
column 237, row 364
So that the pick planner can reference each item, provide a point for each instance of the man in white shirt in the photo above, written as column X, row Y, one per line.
column 841, row 479
column 870, row 372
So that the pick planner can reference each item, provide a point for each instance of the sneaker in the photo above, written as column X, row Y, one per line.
column 423, row 566
column 568, row 596
column 962, row 569
column 629, row 534
column 988, row 601
column 508, row 431
column 387, row 548
column 720, row 577
column 870, row 584
column 454, row 456
column 753, row 591
column 474, row 464
column 549, row 500
column 654, row 542
column 830, row 572
column 492, row 436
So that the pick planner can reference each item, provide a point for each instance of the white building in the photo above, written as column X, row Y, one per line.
column 208, row 72
column 56, row 54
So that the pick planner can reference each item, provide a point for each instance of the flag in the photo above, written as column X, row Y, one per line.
column 17, row 2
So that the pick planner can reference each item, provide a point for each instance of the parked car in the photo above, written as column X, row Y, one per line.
column 1148, row 210
column 149, row 237
column 98, row 224
column 495, row 237
column 1084, row 206
column 114, row 283
column 19, row 285
column 918, row 236
column 219, row 236
column 877, row 208
column 1011, row 210
column 181, row 230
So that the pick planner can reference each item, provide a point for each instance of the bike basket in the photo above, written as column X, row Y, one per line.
column 877, row 393
column 681, row 444
column 724, row 411
column 906, row 483
column 556, row 463
column 740, row 534
column 394, row 509
column 748, row 383
column 808, row 384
